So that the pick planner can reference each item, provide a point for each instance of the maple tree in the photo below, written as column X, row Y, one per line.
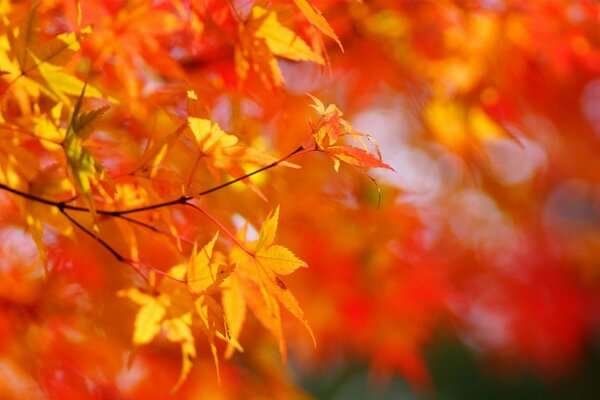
column 169, row 169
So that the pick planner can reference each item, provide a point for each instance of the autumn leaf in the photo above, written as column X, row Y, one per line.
column 275, row 258
column 356, row 157
column 316, row 18
column 280, row 40
column 211, row 141
column 330, row 128
column 149, row 317
column 85, row 169
column 194, row 282
column 150, row 170
column 134, row 37
column 150, row 321
column 210, row 137
column 260, row 271
column 261, row 39
column 279, row 260
column 205, row 278
column 203, row 275
column 35, row 67
column 266, row 236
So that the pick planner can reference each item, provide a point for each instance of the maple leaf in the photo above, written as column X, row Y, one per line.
column 209, row 136
column 150, row 315
column 150, row 321
column 262, row 38
column 189, row 285
column 84, row 168
column 273, row 257
column 330, row 128
column 151, row 171
column 33, row 67
column 205, row 278
column 49, row 131
column 260, row 271
column 210, row 140
column 316, row 18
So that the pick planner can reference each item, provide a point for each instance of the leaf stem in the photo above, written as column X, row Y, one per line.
column 153, row 228
column 221, row 227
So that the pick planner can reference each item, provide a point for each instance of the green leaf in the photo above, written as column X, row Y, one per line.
column 84, row 168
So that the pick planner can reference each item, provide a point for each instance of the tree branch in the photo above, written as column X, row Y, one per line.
column 63, row 207
column 108, row 247
column 273, row 164
column 117, row 213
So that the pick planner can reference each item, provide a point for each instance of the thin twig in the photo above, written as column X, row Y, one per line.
column 273, row 164
column 165, row 274
column 35, row 198
column 117, row 255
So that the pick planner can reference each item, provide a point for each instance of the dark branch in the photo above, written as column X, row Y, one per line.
column 117, row 213
column 30, row 196
column 63, row 207
column 241, row 178
column 108, row 247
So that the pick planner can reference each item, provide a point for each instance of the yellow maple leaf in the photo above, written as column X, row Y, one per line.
column 262, row 38
column 149, row 317
column 203, row 275
column 203, row 278
column 282, row 41
column 150, row 320
column 221, row 152
column 260, row 271
column 210, row 138
column 279, row 259
column 32, row 67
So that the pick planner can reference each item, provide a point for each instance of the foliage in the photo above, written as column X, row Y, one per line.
column 146, row 145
